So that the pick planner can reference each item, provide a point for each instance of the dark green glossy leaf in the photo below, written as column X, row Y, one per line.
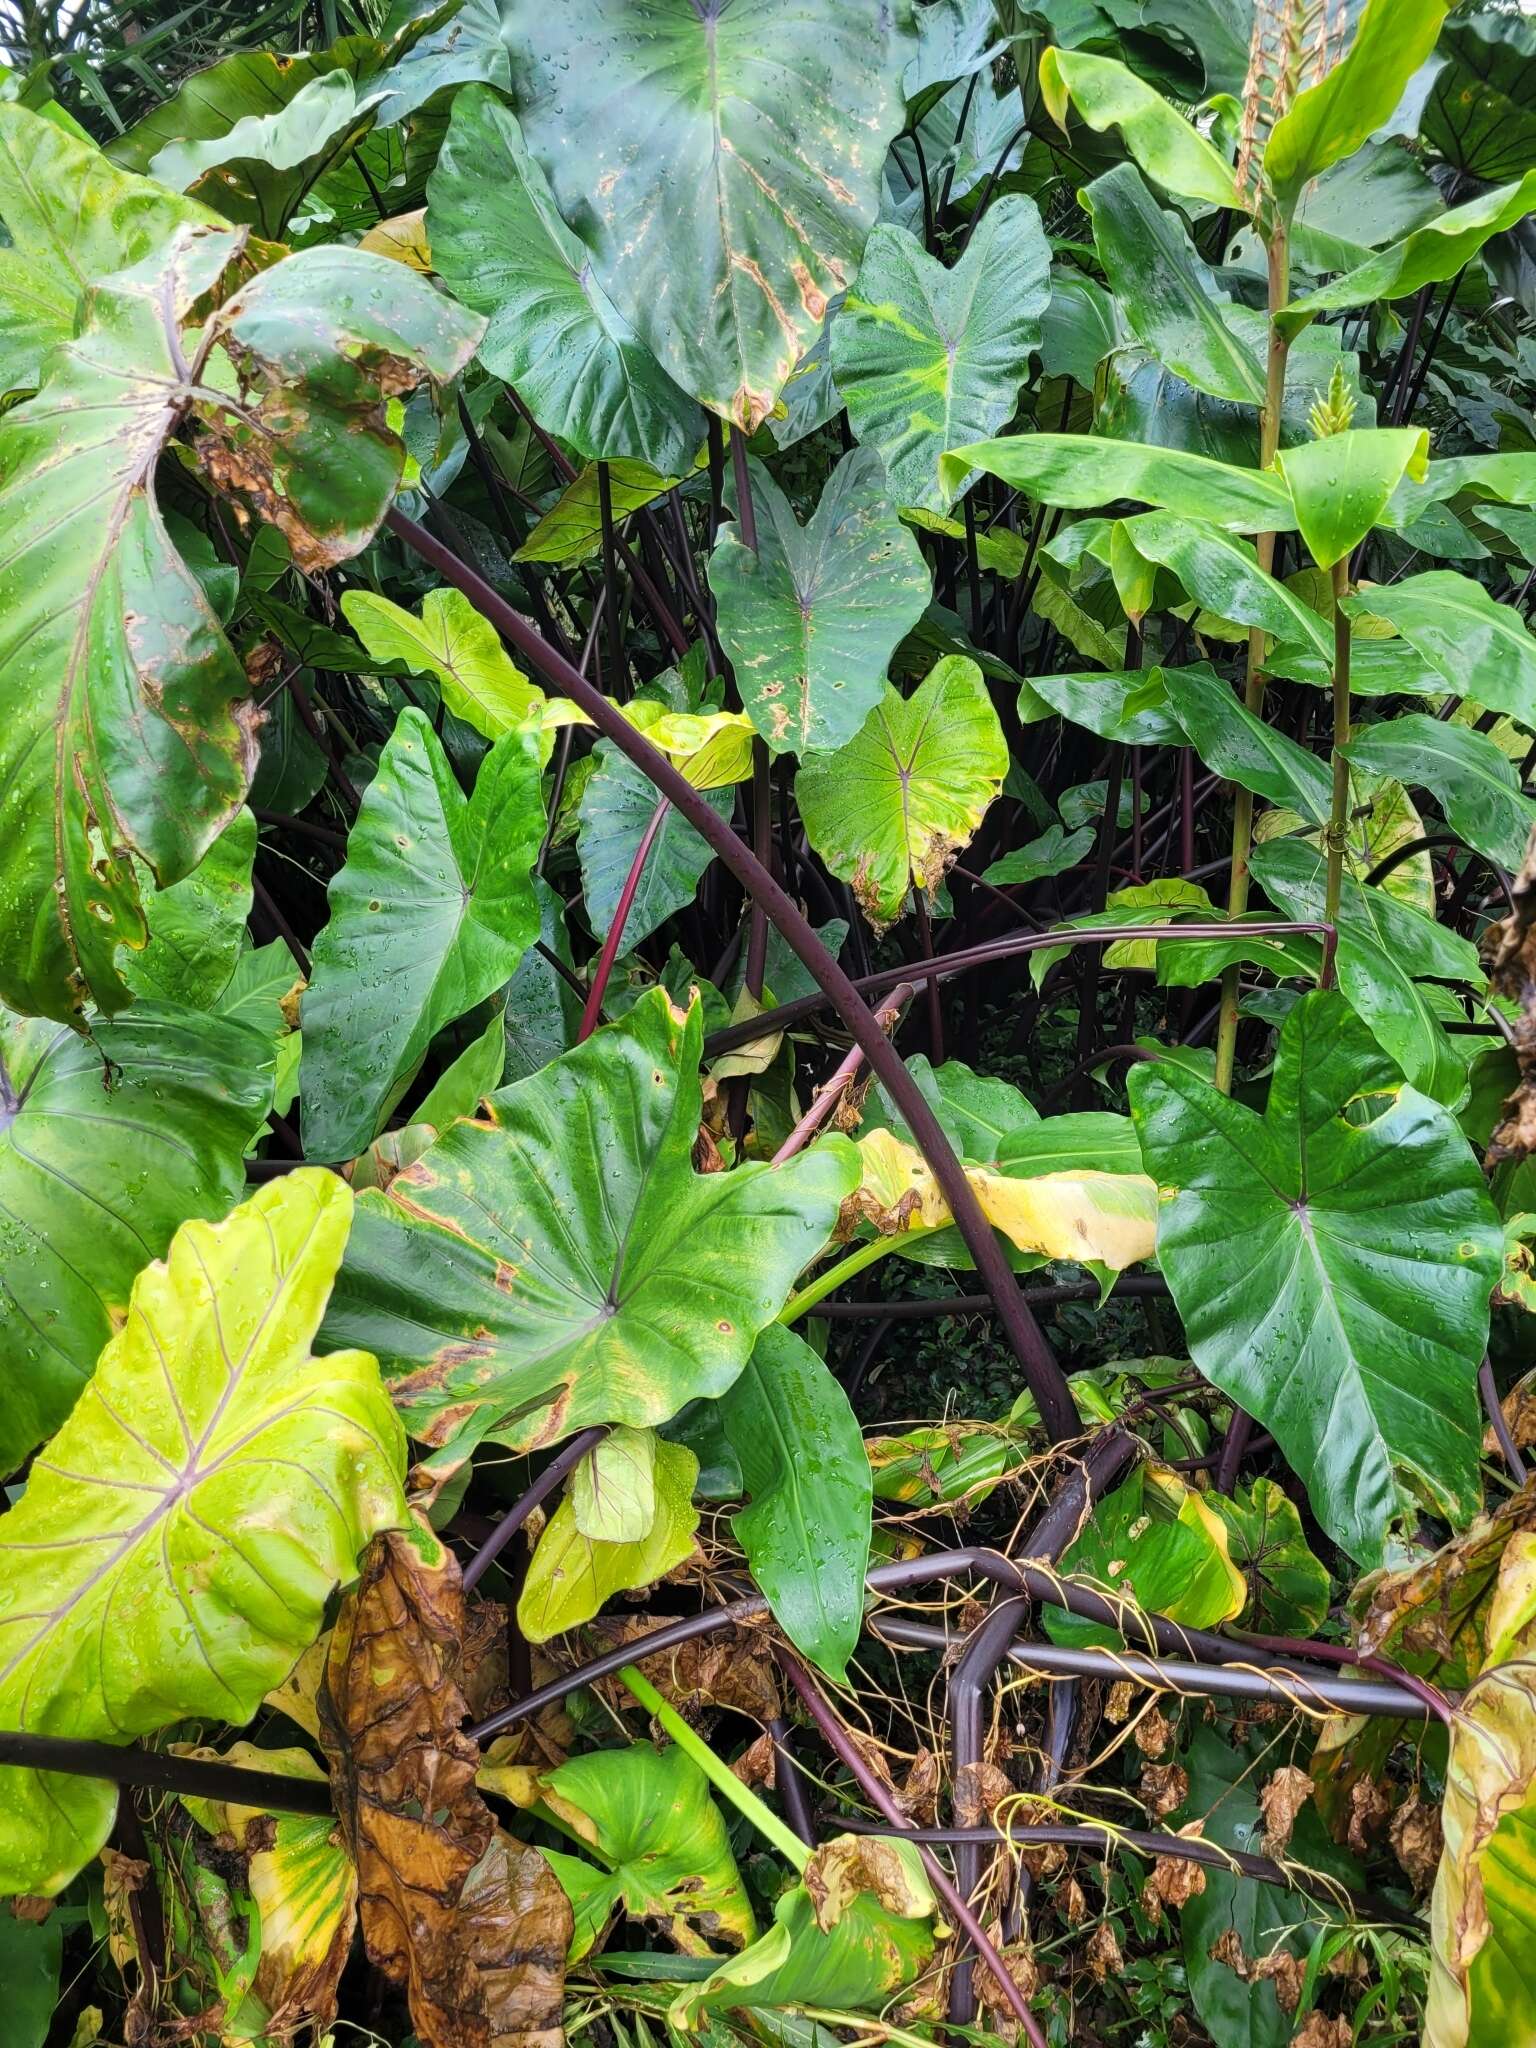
column 1383, row 947
column 560, row 1263
column 501, row 247
column 1481, row 111
column 1246, row 749
column 470, row 47
column 431, row 913
column 1473, row 780
column 1429, row 255
column 1153, row 1543
column 978, row 1112
column 721, row 164
column 1078, row 328
column 1483, row 650
column 806, row 1531
column 1051, row 854
column 811, row 619
column 197, row 927
column 927, row 358
column 1130, row 705
column 1350, row 1312
column 1222, row 575
column 95, row 1180
column 1094, row 1138
column 1164, row 291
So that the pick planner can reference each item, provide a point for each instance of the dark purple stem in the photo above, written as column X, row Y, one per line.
column 1041, row 1372
column 558, row 1467
column 592, row 1011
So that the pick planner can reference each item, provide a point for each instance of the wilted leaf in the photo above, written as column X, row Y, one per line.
column 178, row 1539
column 472, row 1924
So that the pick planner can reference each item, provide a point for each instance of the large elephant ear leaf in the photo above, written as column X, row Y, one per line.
column 890, row 811
column 927, row 358
column 755, row 133
column 71, row 215
column 1362, row 1361
column 115, row 1169
column 499, row 244
column 560, row 1263
column 430, row 915
column 129, row 730
column 178, row 1539
column 811, row 616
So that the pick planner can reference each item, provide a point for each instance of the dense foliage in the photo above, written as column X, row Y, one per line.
column 767, row 1023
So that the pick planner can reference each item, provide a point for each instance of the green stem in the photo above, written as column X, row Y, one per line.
column 1338, row 816
column 720, row 1775
column 1253, row 685
column 861, row 1256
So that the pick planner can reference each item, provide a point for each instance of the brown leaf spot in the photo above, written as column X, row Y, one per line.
column 1286, row 1793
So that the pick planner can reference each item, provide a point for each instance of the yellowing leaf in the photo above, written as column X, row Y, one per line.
column 570, row 1575
column 403, row 238
column 451, row 642
column 1086, row 1215
column 178, row 1539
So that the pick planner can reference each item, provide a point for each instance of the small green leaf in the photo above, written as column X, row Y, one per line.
column 806, row 1533
column 572, row 1576
column 197, row 926
column 451, row 642
column 1340, row 484
column 1288, row 1588
column 926, row 358
column 1155, row 1543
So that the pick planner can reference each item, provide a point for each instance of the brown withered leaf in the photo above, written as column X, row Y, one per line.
column 1228, row 1949
column 757, row 1766
column 1117, row 1707
column 1286, row 1972
column 979, row 1790
column 918, row 1793
column 1417, row 1837
column 849, row 1864
column 1073, row 1903
column 1175, row 1880
column 1322, row 2030
column 1163, row 1787
column 732, row 1670
column 470, row 1930
column 1153, row 1733
column 1509, row 955
column 1018, row 1959
column 1369, row 1806
column 1101, row 1952
column 1286, row 1793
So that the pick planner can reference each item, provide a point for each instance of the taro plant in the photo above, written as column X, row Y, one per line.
column 767, row 999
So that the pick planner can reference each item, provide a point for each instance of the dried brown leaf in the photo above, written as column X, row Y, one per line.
column 1280, row 1801
column 1153, row 1733
column 918, row 1793
column 980, row 1789
column 732, row 1670
column 1369, row 1806
column 473, row 1929
column 1163, row 1787
column 1175, row 1880
column 849, row 1864
column 1417, row 1837
column 1286, row 1973
column 1101, row 1952
column 1324, row 2031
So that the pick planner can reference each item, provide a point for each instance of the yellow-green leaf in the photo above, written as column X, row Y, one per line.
column 571, row 1576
